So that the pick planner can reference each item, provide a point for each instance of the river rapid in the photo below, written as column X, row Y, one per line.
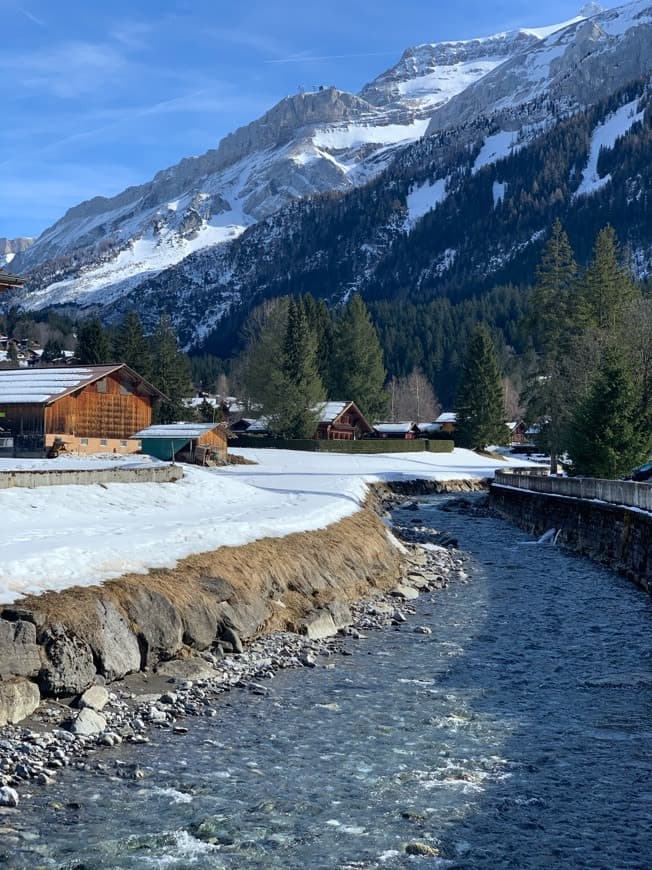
column 517, row 734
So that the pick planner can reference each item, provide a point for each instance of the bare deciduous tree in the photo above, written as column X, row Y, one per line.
column 413, row 398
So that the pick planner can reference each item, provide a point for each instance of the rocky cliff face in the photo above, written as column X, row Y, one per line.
column 10, row 247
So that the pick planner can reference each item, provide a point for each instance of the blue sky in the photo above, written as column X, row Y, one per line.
column 98, row 96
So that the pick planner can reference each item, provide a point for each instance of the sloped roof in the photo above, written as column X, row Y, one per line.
column 330, row 411
column 43, row 386
column 447, row 417
column 395, row 428
column 176, row 431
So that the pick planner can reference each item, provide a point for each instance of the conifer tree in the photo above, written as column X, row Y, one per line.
column 358, row 374
column 608, row 437
column 171, row 372
column 130, row 345
column 479, row 405
column 299, row 388
column 552, row 325
column 607, row 289
column 93, row 347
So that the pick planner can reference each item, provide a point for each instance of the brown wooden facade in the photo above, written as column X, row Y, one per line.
column 349, row 425
column 98, row 416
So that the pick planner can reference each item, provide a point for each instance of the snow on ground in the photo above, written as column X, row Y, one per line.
column 355, row 135
column 60, row 536
column 423, row 199
column 605, row 136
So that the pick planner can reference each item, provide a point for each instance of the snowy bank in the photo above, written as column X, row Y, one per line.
column 57, row 537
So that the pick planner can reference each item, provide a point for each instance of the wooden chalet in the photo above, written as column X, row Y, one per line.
column 341, row 421
column 202, row 443
column 89, row 409
column 404, row 431
column 8, row 281
column 517, row 432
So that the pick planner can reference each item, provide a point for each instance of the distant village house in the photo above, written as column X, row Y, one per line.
column 406, row 431
column 341, row 421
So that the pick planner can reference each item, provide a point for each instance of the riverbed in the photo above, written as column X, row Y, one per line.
column 508, row 723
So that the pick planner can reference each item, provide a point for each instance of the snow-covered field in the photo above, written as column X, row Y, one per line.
column 61, row 536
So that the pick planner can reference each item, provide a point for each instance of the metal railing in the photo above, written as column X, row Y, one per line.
column 620, row 492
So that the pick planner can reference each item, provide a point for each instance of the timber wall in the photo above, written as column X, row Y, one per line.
column 616, row 535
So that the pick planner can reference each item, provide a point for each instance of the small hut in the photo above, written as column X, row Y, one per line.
column 447, row 421
column 202, row 443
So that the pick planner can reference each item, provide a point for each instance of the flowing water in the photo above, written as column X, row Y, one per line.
column 517, row 734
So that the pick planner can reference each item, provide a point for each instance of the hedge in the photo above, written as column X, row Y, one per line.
column 369, row 446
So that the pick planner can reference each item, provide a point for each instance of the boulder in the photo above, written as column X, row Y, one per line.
column 18, row 699
column 230, row 636
column 181, row 670
column 407, row 593
column 68, row 668
column 200, row 623
column 158, row 625
column 318, row 625
column 88, row 722
column 113, row 642
column 96, row 698
column 8, row 796
column 19, row 653
column 341, row 613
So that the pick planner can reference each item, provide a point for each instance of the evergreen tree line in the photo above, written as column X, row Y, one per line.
column 591, row 389
column 298, row 355
column 156, row 357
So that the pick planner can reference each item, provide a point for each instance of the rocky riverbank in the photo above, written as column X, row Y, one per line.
column 67, row 731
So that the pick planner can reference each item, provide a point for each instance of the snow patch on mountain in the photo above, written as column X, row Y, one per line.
column 423, row 199
column 605, row 135
column 496, row 147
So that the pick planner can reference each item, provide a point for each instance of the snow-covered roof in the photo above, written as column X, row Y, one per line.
column 429, row 427
column 176, row 431
column 329, row 411
column 447, row 417
column 42, row 386
column 395, row 428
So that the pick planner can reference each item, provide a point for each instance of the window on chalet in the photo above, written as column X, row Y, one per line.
column 102, row 386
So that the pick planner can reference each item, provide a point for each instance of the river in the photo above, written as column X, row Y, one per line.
column 518, row 734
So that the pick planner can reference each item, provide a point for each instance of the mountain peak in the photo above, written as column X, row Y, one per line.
column 590, row 9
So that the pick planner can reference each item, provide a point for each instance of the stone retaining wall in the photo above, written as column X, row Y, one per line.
column 68, row 476
column 61, row 643
column 617, row 536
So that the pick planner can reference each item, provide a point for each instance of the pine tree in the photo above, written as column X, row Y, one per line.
column 93, row 346
column 552, row 295
column 479, row 405
column 130, row 345
column 552, row 323
column 358, row 374
column 607, row 289
column 298, row 386
column 171, row 372
column 608, row 437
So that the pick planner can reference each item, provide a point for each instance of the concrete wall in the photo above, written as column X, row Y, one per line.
column 622, row 492
column 617, row 536
column 63, row 476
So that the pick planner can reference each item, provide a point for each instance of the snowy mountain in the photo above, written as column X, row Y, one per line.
column 308, row 144
column 413, row 150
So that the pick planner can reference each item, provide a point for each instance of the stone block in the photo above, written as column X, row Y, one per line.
column 19, row 653
column 18, row 700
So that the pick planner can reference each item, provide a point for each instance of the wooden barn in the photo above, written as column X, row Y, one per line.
column 447, row 421
column 341, row 421
column 90, row 409
column 203, row 443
